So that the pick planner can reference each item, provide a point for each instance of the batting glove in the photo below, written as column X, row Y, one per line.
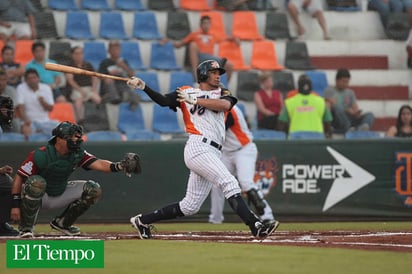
column 183, row 96
column 136, row 83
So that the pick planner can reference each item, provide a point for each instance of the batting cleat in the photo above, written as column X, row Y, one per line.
column 69, row 231
column 143, row 230
column 262, row 230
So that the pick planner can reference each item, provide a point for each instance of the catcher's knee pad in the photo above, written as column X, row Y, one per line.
column 91, row 192
column 34, row 187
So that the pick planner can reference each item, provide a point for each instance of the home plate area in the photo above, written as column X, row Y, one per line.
column 389, row 240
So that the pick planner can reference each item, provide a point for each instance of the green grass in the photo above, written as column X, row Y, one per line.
column 161, row 256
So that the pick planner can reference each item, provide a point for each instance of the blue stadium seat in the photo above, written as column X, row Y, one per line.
column 306, row 135
column 242, row 108
column 362, row 135
column 180, row 78
column 94, row 52
column 131, row 53
column 151, row 80
column 267, row 134
column 319, row 80
column 165, row 120
column 162, row 57
column 112, row 26
column 129, row 5
column 62, row 5
column 78, row 25
column 11, row 137
column 39, row 137
column 104, row 135
column 142, row 135
column 95, row 5
column 130, row 120
column 145, row 26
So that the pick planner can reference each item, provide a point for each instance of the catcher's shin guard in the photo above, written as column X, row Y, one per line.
column 91, row 193
column 254, row 198
column 33, row 191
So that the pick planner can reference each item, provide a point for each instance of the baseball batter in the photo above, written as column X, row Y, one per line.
column 239, row 154
column 203, row 111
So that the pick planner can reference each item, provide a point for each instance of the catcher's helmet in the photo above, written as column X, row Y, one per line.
column 66, row 130
column 206, row 66
column 6, row 115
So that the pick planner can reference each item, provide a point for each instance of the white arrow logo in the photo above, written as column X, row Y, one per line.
column 344, row 187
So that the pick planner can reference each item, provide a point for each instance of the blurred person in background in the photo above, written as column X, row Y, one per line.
column 403, row 126
column 14, row 71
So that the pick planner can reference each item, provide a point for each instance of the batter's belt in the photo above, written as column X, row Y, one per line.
column 212, row 143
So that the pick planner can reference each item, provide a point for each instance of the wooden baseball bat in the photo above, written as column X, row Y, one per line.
column 69, row 69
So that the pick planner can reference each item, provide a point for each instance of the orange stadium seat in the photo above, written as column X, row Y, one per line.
column 63, row 112
column 197, row 5
column 218, row 24
column 22, row 50
column 264, row 56
column 233, row 53
column 244, row 25
column 1, row 47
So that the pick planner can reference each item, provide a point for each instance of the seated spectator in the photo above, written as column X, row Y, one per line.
column 49, row 77
column 17, row 19
column 344, row 106
column 409, row 49
column 403, row 127
column 6, row 113
column 113, row 91
column 305, row 111
column 82, row 88
column 384, row 7
column 268, row 101
column 34, row 101
column 314, row 7
column 15, row 71
column 202, row 47
column 7, row 91
column 231, row 5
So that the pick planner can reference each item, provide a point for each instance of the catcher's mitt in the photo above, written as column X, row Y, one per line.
column 131, row 164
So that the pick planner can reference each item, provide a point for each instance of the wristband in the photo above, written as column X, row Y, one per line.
column 16, row 200
column 114, row 167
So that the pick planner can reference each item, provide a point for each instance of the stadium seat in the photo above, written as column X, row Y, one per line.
column 22, row 49
column 63, row 112
column 94, row 52
column 162, row 57
column 362, row 135
column 242, row 107
column 62, row 5
column 343, row 5
column 111, row 25
column 180, row 78
column 130, row 119
column 264, row 56
column 244, row 25
column 198, row 5
column 11, row 137
column 95, row 117
column 165, row 121
column 306, row 135
column 233, row 53
column 78, row 26
column 129, row 5
column 319, row 80
column 277, row 26
column 1, row 46
column 45, row 25
column 398, row 26
column 95, row 5
column 145, row 26
column 38, row 137
column 164, row 5
column 104, row 135
column 142, row 135
column 247, row 84
column 151, row 80
column 60, row 52
column 178, row 26
column 283, row 81
column 297, row 56
column 131, row 53
column 267, row 134
column 217, row 23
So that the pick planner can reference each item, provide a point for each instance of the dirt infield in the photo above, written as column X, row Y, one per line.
column 363, row 240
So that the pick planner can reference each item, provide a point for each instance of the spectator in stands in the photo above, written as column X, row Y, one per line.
column 384, row 7
column 231, row 5
column 34, row 101
column 14, row 70
column 49, row 77
column 268, row 101
column 403, row 127
column 82, row 87
column 202, row 45
column 113, row 91
column 409, row 49
column 10, row 92
column 16, row 19
column 305, row 111
column 314, row 7
column 344, row 106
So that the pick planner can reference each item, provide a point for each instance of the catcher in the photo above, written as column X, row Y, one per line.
column 42, row 181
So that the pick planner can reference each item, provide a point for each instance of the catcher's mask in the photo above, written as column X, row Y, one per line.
column 204, row 68
column 66, row 130
column 304, row 84
column 6, row 112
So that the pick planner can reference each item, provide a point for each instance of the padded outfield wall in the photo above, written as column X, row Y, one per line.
column 303, row 179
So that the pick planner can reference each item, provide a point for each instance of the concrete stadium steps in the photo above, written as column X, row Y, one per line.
column 383, row 124
column 381, row 92
column 350, row 62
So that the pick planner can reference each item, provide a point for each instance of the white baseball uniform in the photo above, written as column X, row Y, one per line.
column 239, row 154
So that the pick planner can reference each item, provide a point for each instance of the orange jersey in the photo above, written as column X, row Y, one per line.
column 205, row 41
